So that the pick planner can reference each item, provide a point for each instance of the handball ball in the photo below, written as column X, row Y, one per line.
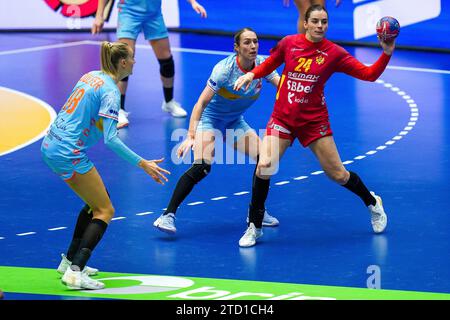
column 388, row 28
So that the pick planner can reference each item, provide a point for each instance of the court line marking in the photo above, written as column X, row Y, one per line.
column 57, row 228
column 46, row 47
column 118, row 218
column 25, row 234
column 186, row 50
column 144, row 213
column 40, row 102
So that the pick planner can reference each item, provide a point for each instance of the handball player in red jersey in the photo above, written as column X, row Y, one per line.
column 300, row 112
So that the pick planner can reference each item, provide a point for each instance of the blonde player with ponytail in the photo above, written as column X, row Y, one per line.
column 90, row 113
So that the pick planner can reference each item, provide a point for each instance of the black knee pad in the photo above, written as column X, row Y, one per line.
column 167, row 67
column 199, row 171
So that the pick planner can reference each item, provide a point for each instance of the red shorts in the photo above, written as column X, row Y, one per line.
column 306, row 133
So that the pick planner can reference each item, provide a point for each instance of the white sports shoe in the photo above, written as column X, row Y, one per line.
column 66, row 263
column 123, row 119
column 174, row 108
column 166, row 223
column 249, row 238
column 379, row 217
column 268, row 220
column 78, row 280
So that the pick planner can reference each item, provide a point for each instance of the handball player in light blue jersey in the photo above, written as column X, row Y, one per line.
column 89, row 114
column 219, row 109
column 145, row 15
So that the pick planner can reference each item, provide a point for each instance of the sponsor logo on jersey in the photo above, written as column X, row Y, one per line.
column 297, row 86
column 303, row 76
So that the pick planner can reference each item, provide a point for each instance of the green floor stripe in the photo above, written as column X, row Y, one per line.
column 154, row 287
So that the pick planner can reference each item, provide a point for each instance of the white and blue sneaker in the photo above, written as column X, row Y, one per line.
column 268, row 220
column 378, row 216
column 249, row 238
column 166, row 223
column 66, row 263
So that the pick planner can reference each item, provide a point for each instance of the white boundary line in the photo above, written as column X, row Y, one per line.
column 46, row 106
column 187, row 50
column 40, row 48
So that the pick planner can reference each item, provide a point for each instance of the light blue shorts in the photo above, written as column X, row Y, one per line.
column 130, row 25
column 66, row 168
column 234, row 129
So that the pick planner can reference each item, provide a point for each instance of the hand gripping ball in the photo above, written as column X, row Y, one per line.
column 388, row 28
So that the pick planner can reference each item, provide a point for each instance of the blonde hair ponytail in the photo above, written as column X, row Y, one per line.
column 111, row 53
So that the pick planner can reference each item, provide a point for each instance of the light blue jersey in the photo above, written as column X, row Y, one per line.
column 90, row 113
column 228, row 105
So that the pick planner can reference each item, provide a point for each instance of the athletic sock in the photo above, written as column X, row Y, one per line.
column 260, row 190
column 356, row 185
column 184, row 186
column 168, row 94
column 91, row 237
column 84, row 218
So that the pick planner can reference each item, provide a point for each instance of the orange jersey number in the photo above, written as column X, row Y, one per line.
column 73, row 100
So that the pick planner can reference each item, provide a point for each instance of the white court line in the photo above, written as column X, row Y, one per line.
column 418, row 69
column 281, row 183
column 118, row 218
column 187, row 50
column 195, row 203
column 241, row 193
column 218, row 198
column 300, row 178
column 25, row 233
column 144, row 213
column 57, row 228
column 41, row 48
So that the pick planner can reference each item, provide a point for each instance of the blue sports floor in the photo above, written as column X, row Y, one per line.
column 394, row 133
